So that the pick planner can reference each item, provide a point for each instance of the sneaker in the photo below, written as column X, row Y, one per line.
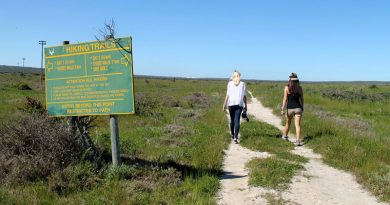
column 285, row 137
column 235, row 140
column 298, row 143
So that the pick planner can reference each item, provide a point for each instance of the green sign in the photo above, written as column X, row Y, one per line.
column 93, row 78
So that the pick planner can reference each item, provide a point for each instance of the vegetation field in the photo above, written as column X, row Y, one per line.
column 347, row 123
column 172, row 150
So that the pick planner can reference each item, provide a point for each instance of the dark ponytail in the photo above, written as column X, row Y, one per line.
column 293, row 86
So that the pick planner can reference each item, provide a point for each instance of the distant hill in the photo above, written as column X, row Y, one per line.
column 18, row 69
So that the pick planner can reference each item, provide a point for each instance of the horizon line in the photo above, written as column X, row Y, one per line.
column 209, row 78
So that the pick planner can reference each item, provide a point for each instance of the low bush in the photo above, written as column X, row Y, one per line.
column 197, row 99
column 373, row 86
column 32, row 105
column 146, row 105
column 22, row 86
column 35, row 146
column 170, row 101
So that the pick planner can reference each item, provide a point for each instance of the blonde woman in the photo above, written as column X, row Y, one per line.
column 236, row 101
column 293, row 100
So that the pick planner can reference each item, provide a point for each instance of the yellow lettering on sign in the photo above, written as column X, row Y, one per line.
column 108, row 103
column 70, row 49
column 67, row 106
column 102, row 45
column 77, row 48
column 104, row 109
column 101, row 79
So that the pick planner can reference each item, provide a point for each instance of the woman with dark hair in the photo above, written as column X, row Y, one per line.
column 293, row 100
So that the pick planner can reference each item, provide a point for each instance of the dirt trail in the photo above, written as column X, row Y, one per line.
column 318, row 184
column 234, row 182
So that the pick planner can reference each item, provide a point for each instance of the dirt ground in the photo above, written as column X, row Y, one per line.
column 317, row 184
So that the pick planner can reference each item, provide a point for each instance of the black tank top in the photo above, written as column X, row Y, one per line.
column 293, row 101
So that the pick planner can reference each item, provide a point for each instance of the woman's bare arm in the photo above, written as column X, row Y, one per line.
column 301, row 98
column 224, row 103
column 284, row 103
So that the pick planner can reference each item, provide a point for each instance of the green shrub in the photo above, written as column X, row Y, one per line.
column 79, row 177
column 146, row 105
column 22, row 86
column 373, row 86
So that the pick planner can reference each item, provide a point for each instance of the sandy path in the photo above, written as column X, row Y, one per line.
column 234, row 182
column 318, row 184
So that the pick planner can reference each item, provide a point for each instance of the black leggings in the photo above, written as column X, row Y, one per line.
column 235, row 116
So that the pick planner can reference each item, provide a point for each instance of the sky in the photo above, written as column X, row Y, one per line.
column 320, row 40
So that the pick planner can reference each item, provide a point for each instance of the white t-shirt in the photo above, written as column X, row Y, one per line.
column 236, row 93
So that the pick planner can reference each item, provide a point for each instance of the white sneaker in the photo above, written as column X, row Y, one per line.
column 298, row 143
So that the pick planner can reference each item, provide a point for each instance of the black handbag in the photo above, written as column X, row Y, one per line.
column 244, row 115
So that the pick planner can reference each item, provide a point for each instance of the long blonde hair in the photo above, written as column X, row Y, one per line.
column 236, row 77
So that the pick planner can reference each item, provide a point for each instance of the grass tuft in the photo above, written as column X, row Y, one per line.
column 272, row 172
